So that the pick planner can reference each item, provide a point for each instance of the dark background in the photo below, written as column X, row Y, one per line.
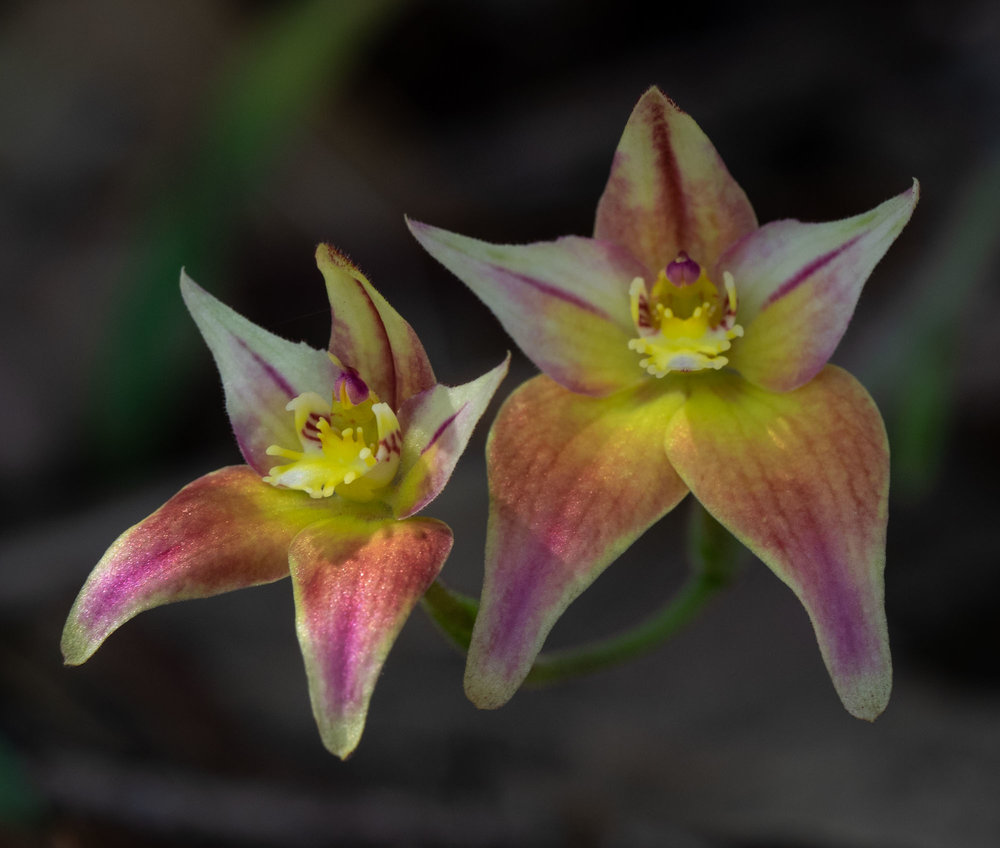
column 231, row 137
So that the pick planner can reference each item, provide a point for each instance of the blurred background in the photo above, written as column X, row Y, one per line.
column 230, row 136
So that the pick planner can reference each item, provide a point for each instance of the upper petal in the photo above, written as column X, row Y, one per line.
column 798, row 285
column 574, row 480
column 802, row 480
column 669, row 190
column 224, row 531
column 261, row 373
column 436, row 427
column 565, row 302
column 369, row 335
column 356, row 581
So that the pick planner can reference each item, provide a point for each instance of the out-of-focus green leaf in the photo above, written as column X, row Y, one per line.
column 303, row 53
column 20, row 803
column 917, row 372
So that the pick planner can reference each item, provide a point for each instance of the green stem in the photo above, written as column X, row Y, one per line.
column 453, row 613
column 713, row 553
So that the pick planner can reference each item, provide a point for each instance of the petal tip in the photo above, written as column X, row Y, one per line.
column 487, row 692
column 328, row 254
column 654, row 92
column 867, row 699
column 419, row 230
column 190, row 290
column 341, row 738
column 911, row 196
column 76, row 648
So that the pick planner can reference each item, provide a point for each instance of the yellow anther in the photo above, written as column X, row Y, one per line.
column 351, row 449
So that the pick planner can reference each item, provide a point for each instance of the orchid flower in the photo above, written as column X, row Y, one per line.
column 684, row 348
column 341, row 449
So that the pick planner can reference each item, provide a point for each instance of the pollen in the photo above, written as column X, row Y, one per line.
column 684, row 322
column 348, row 447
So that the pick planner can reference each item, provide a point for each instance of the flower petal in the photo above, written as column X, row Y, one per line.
column 669, row 190
column 798, row 285
column 802, row 480
column 437, row 425
column 224, row 531
column 573, row 482
column 356, row 581
column 371, row 336
column 261, row 373
column 565, row 302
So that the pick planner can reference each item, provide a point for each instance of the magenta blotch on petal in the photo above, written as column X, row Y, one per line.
column 802, row 479
column 574, row 480
column 226, row 530
column 356, row 581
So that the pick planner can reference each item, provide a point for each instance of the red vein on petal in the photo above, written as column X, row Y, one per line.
column 799, row 277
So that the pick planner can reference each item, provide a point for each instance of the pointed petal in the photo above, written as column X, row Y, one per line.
column 798, row 285
column 802, row 480
column 261, row 373
column 573, row 482
column 437, row 425
column 356, row 581
column 224, row 531
column 371, row 336
column 669, row 190
column 565, row 302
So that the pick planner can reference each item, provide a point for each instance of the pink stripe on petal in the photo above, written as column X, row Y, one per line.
column 798, row 285
column 802, row 480
column 574, row 480
column 565, row 303
column 437, row 425
column 260, row 373
column 356, row 582
column 369, row 335
column 224, row 531
column 669, row 190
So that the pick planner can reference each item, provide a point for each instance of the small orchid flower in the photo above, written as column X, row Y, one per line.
column 342, row 448
column 683, row 348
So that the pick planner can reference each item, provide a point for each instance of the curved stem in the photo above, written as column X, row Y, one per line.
column 573, row 662
column 713, row 553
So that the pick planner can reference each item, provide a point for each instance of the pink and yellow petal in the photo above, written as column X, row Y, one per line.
column 437, row 425
column 369, row 335
column 224, row 531
column 802, row 480
column 669, row 190
column 261, row 373
column 565, row 302
column 356, row 581
column 798, row 285
column 574, row 481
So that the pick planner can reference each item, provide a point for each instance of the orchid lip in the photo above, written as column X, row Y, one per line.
column 348, row 448
column 684, row 323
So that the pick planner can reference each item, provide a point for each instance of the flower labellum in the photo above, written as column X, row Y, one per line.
column 684, row 348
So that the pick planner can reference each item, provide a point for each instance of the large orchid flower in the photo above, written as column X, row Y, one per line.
column 341, row 450
column 683, row 348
